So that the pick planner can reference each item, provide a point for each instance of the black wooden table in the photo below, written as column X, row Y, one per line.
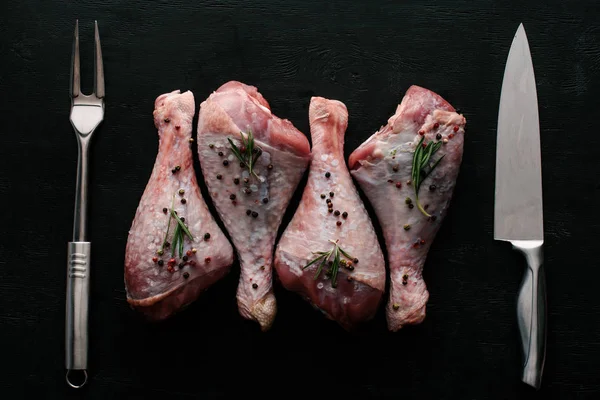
column 366, row 54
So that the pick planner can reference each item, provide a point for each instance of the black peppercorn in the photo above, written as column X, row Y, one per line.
column 184, row 258
column 220, row 154
column 165, row 210
column 219, row 176
column 232, row 196
column 248, row 212
column 438, row 136
column 330, row 210
column 336, row 213
column 345, row 214
column 254, row 214
column 211, row 145
column 432, row 187
column 265, row 200
column 183, row 201
column 254, row 286
column 186, row 275
column 331, row 194
column 270, row 166
column 236, row 181
column 355, row 261
column 182, row 219
column 161, row 263
column 167, row 244
column 339, row 223
column 225, row 162
column 327, row 174
column 411, row 205
column 328, row 201
column 206, row 236
column 322, row 196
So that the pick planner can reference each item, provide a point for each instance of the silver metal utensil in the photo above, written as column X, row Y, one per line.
column 87, row 112
column 518, row 214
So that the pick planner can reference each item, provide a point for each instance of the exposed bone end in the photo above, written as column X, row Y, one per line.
column 408, row 299
column 264, row 311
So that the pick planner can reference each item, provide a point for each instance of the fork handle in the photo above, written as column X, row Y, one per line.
column 76, row 326
column 81, row 190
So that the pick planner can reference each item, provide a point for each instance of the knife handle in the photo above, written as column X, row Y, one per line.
column 531, row 312
column 76, row 326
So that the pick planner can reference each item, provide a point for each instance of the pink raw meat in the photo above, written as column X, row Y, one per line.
column 382, row 166
column 250, row 206
column 330, row 212
column 155, row 286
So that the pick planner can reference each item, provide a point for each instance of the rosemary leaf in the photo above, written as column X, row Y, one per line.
column 314, row 261
column 176, row 239
column 181, row 245
column 348, row 256
column 320, row 267
column 182, row 225
column 248, row 158
column 421, row 167
column 335, row 267
column 167, row 234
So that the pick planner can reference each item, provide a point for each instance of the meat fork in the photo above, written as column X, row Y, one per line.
column 87, row 112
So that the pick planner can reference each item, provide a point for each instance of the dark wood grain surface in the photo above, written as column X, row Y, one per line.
column 366, row 54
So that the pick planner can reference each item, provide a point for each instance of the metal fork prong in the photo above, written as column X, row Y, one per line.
column 75, row 70
column 99, row 66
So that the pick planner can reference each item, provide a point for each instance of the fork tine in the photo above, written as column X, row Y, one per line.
column 75, row 71
column 99, row 66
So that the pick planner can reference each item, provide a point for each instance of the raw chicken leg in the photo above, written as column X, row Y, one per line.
column 332, row 219
column 252, row 162
column 383, row 167
column 175, row 248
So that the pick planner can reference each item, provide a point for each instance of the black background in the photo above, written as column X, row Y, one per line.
column 366, row 54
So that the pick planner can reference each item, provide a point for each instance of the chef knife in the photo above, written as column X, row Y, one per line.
column 518, row 214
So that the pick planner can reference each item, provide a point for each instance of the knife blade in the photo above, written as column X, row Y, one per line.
column 518, row 211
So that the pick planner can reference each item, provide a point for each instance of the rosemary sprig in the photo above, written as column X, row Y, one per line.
column 421, row 167
column 250, row 154
column 178, row 235
column 324, row 258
